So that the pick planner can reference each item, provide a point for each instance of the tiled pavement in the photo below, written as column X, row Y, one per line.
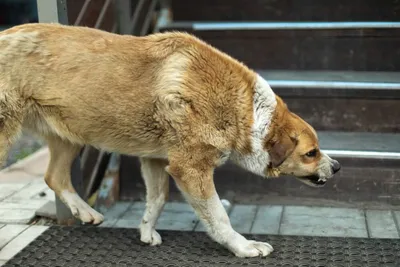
column 23, row 190
column 283, row 220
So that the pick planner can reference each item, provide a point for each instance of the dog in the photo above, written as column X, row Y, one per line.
column 180, row 105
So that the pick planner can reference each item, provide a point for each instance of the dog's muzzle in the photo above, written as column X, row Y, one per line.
column 317, row 181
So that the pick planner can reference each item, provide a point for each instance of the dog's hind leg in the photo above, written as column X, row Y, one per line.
column 157, row 187
column 58, row 178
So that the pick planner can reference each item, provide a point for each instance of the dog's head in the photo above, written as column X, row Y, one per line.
column 293, row 148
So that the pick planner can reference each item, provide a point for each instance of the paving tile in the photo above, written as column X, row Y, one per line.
column 117, row 210
column 178, row 207
column 123, row 223
column 21, row 241
column 113, row 214
column 318, row 221
column 17, row 177
column 29, row 191
column 48, row 210
column 132, row 217
column 267, row 220
column 47, row 194
column 9, row 232
column 138, row 206
column 7, row 189
column 199, row 227
column 109, row 223
column 169, row 206
column 16, row 216
column 24, row 204
column 177, row 216
column 381, row 224
column 242, row 217
column 177, row 220
column 397, row 219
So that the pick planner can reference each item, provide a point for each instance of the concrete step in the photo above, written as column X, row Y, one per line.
column 341, row 100
column 370, row 176
column 358, row 46
column 286, row 10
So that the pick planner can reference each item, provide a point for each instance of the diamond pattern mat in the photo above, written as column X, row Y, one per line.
column 97, row 246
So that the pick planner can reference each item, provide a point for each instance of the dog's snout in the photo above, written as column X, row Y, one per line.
column 335, row 166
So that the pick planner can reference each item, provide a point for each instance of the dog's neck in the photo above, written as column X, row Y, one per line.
column 264, row 104
column 264, row 107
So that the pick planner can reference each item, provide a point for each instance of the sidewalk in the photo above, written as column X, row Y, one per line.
column 23, row 192
column 264, row 219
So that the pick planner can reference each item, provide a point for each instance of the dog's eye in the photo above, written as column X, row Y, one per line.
column 312, row 153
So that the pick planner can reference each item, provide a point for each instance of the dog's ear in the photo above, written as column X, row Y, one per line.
column 279, row 147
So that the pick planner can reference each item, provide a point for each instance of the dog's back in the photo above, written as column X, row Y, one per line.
column 84, row 85
column 92, row 87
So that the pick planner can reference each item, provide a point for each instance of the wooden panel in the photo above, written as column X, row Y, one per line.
column 340, row 114
column 310, row 49
column 286, row 10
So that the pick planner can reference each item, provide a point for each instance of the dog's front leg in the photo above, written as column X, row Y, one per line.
column 197, row 185
column 216, row 221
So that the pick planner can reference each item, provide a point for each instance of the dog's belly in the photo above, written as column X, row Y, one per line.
column 135, row 149
column 115, row 136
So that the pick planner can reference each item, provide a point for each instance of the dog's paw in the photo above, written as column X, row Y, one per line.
column 150, row 236
column 81, row 210
column 253, row 249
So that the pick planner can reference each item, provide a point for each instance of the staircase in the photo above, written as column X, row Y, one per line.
column 336, row 64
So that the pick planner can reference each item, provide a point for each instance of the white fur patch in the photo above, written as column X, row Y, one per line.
column 156, row 181
column 80, row 208
column 216, row 221
column 264, row 104
column 148, row 234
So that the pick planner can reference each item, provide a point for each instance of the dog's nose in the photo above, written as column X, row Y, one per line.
column 335, row 166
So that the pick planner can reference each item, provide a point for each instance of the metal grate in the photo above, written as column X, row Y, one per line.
column 96, row 246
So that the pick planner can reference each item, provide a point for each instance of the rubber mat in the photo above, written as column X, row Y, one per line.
column 97, row 246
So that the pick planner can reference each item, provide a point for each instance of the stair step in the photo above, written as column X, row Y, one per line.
column 233, row 25
column 351, row 77
column 348, row 84
column 357, row 46
column 286, row 10
column 378, row 143
column 341, row 100
column 362, row 150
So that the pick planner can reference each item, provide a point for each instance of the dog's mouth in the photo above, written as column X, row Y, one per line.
column 313, row 180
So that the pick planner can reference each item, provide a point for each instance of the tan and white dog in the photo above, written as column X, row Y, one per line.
column 179, row 104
